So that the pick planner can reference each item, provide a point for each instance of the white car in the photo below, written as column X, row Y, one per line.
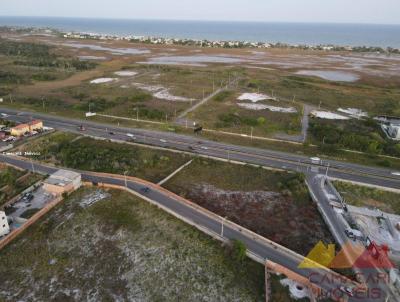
column 204, row 148
column 4, row 115
column 396, row 173
column 130, row 135
column 315, row 160
column 163, row 140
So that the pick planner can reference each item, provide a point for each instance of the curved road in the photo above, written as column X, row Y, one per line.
column 169, row 201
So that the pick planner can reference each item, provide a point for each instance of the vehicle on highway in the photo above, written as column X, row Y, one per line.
column 81, row 128
column 163, row 140
column 4, row 115
column 111, row 133
column 204, row 148
column 9, row 139
column 396, row 173
column 315, row 160
column 130, row 135
column 145, row 190
column 347, row 290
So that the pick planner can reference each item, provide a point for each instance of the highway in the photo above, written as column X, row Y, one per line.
column 264, row 250
column 197, row 145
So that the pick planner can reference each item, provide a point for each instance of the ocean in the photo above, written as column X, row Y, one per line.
column 290, row 33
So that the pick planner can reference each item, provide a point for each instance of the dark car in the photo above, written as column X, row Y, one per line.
column 111, row 133
column 145, row 190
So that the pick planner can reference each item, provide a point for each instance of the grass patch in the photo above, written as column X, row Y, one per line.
column 361, row 196
column 13, row 182
column 105, row 156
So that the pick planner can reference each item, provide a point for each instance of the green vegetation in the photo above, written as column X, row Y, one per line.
column 98, row 250
column 238, row 251
column 359, row 135
column 222, row 96
column 39, row 55
column 369, row 197
column 105, row 156
column 13, row 182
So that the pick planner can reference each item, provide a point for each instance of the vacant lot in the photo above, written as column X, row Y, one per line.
column 84, row 153
column 369, row 197
column 108, row 245
column 275, row 205
column 224, row 113
column 13, row 181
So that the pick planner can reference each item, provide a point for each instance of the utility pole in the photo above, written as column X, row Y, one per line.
column 126, row 182
column 251, row 133
column 222, row 226
column 327, row 169
column 33, row 166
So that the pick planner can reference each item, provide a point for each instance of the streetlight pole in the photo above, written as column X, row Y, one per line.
column 251, row 133
column 126, row 182
column 222, row 226
column 33, row 166
column 327, row 169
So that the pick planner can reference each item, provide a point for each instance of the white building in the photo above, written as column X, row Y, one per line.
column 62, row 181
column 394, row 131
column 4, row 227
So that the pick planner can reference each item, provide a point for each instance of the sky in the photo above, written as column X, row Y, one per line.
column 332, row 11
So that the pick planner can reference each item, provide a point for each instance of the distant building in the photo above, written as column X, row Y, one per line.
column 62, row 181
column 394, row 131
column 19, row 130
column 4, row 227
column 35, row 125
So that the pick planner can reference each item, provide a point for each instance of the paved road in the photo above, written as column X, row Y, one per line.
column 322, row 193
column 261, row 249
column 197, row 145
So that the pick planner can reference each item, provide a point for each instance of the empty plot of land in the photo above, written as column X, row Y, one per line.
column 276, row 205
column 108, row 246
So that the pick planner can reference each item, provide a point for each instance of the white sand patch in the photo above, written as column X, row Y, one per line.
column 92, row 198
column 149, row 88
column 270, row 108
column 160, row 92
column 103, row 80
column 328, row 115
column 165, row 95
column 125, row 73
column 254, row 97
column 354, row 112
column 297, row 291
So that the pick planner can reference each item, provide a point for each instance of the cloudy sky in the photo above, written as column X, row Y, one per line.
column 343, row 11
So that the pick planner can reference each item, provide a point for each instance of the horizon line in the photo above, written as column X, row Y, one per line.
column 202, row 20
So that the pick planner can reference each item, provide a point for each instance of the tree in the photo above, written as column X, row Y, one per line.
column 239, row 250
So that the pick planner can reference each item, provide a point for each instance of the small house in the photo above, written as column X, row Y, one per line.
column 62, row 181
column 20, row 130
column 4, row 227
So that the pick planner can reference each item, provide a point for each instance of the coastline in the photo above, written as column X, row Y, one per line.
column 346, row 37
